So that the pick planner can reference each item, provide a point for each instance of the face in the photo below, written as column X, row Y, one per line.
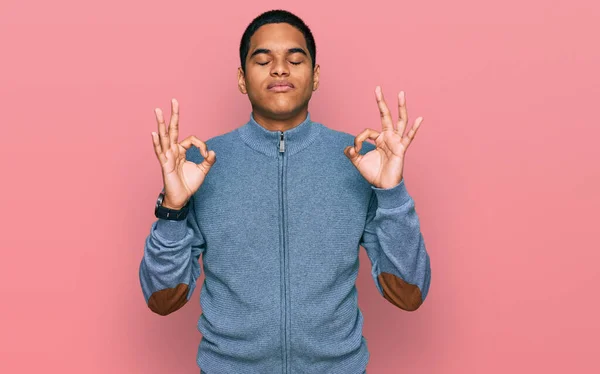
column 279, row 77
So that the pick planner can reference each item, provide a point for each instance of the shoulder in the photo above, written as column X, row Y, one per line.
column 343, row 138
column 215, row 143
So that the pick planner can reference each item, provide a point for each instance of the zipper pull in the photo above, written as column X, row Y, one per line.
column 281, row 143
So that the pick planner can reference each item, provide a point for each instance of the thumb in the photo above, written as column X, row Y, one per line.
column 209, row 160
column 351, row 153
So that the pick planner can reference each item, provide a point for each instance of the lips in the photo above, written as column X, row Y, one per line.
column 280, row 85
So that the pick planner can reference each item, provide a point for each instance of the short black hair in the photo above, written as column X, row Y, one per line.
column 277, row 16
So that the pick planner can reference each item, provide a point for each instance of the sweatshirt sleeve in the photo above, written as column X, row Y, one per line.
column 394, row 244
column 169, row 268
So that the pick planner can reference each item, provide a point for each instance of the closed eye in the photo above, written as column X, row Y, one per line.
column 291, row 62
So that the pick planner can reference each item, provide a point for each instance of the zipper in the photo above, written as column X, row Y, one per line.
column 284, row 282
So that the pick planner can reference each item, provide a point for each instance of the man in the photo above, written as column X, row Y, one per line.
column 278, row 209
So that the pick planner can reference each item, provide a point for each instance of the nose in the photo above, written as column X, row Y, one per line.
column 280, row 68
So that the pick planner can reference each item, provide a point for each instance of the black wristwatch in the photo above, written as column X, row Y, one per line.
column 170, row 214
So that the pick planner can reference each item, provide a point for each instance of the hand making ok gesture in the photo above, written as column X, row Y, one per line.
column 181, row 178
column 382, row 167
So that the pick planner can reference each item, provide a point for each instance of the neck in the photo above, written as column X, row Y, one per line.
column 281, row 123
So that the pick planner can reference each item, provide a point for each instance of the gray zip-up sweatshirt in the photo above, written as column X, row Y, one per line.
column 278, row 221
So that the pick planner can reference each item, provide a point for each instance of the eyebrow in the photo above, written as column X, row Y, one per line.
column 267, row 51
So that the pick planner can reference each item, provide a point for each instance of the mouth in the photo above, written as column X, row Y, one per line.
column 282, row 86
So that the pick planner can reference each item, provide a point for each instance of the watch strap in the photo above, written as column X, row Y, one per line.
column 170, row 214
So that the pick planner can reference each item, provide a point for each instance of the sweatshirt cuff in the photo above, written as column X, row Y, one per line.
column 170, row 229
column 391, row 197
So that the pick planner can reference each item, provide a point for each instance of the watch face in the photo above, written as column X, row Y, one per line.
column 158, row 204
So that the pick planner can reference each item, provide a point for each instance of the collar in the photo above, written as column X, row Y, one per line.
column 267, row 142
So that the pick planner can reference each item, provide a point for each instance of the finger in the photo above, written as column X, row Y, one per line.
column 174, row 122
column 354, row 156
column 208, row 161
column 413, row 131
column 386, row 117
column 162, row 130
column 402, row 114
column 364, row 135
column 187, row 142
column 157, row 149
column 209, row 156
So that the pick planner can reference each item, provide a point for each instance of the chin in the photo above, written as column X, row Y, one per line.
column 281, row 107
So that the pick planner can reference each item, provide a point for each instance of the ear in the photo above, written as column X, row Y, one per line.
column 316, row 72
column 241, row 81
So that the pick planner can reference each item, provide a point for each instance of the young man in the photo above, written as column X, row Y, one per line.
column 278, row 218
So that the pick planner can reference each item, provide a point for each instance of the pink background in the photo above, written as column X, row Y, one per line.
column 504, row 172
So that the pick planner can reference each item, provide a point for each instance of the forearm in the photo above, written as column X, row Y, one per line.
column 169, row 267
column 402, row 264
